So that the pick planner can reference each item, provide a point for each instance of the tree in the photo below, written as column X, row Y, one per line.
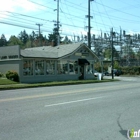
column 107, row 53
column 138, row 56
column 66, row 40
column 32, row 39
column 45, row 41
column 3, row 41
column 116, row 65
column 23, row 36
column 14, row 41
column 131, row 54
column 54, row 37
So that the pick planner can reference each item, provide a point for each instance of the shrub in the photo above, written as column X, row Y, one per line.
column 137, row 73
column 12, row 75
column 1, row 74
column 131, row 70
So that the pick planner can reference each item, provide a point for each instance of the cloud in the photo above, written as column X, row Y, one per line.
column 22, row 6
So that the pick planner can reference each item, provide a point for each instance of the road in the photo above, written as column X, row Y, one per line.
column 101, row 111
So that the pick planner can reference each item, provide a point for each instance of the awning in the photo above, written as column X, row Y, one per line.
column 83, row 62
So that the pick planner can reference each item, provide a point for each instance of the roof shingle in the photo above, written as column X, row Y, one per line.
column 49, row 51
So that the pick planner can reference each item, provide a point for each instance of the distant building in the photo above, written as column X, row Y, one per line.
column 48, row 63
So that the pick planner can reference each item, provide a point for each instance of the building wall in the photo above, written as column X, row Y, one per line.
column 83, row 52
column 9, row 52
column 34, row 78
column 11, row 62
column 17, row 65
column 56, row 76
column 10, row 65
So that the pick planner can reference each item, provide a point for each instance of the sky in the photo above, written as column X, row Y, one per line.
column 19, row 15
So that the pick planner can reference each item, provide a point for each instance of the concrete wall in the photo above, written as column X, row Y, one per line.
column 89, row 77
column 46, row 78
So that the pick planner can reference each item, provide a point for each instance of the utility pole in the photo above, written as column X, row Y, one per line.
column 58, row 37
column 89, row 27
column 112, row 52
column 39, row 33
column 57, row 23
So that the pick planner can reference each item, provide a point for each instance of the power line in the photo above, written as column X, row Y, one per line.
column 101, row 16
column 73, row 17
column 29, row 27
column 107, row 13
column 117, row 10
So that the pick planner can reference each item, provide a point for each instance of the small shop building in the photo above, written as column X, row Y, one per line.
column 49, row 63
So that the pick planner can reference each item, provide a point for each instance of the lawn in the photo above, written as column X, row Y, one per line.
column 5, row 81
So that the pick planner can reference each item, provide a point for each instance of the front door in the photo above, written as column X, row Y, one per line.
column 81, row 77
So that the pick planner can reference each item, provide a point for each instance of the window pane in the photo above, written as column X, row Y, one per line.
column 73, row 67
column 62, row 67
column 28, row 67
column 39, row 67
column 89, row 68
column 50, row 67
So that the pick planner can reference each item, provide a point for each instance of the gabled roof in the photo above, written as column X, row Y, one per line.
column 51, row 52
column 38, row 54
column 54, row 52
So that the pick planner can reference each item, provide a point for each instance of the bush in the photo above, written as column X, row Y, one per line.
column 12, row 75
column 1, row 74
column 131, row 70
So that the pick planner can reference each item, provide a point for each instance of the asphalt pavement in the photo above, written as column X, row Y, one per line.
column 124, row 78
column 99, row 111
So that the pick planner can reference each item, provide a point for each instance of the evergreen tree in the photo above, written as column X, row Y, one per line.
column 3, row 41
column 66, row 40
column 54, row 37
column 23, row 36
column 32, row 39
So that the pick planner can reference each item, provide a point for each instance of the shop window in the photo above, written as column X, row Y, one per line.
column 27, row 67
column 62, row 67
column 50, row 67
column 89, row 68
column 73, row 67
column 39, row 67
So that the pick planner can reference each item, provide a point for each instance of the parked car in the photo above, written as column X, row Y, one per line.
column 106, row 73
column 117, row 72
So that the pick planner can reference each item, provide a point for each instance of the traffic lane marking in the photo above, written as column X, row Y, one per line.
column 73, row 101
column 67, row 92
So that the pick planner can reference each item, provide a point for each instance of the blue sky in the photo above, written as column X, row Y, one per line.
column 106, row 14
